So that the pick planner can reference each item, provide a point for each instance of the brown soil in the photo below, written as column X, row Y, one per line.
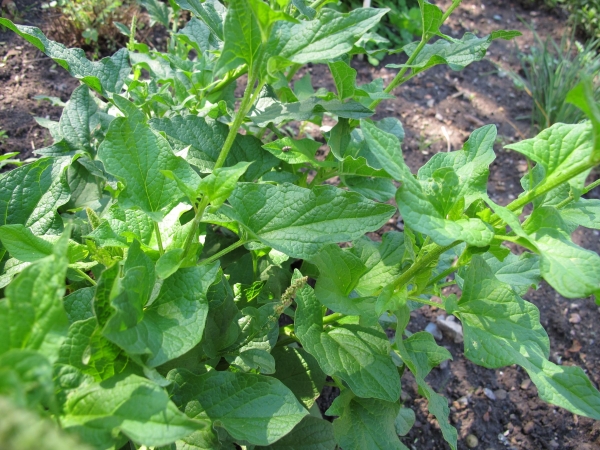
column 441, row 98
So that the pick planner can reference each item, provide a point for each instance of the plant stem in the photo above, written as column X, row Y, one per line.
column 86, row 276
column 317, row 4
column 226, row 250
column 249, row 96
column 443, row 275
column 585, row 190
column 420, row 264
column 333, row 318
column 161, row 249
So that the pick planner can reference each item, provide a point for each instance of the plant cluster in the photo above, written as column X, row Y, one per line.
column 584, row 14
column 551, row 70
column 90, row 23
column 171, row 266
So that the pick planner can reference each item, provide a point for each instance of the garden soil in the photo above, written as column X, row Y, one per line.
column 439, row 110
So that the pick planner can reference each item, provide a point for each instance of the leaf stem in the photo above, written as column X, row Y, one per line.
column 86, row 276
column 317, row 4
column 585, row 190
column 226, row 250
column 161, row 249
column 333, row 318
column 443, row 275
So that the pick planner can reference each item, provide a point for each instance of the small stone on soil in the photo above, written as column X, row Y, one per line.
column 525, row 384
column 451, row 328
column 434, row 330
column 528, row 428
column 489, row 394
column 472, row 441
column 500, row 394
column 575, row 318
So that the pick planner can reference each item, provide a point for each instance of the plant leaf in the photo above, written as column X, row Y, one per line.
column 311, row 433
column 421, row 354
column 207, row 137
column 457, row 54
column 344, row 77
column 211, row 12
column 135, row 155
column 365, row 423
column 105, row 76
column 130, row 404
column 300, row 372
column 253, row 408
column 358, row 355
column 320, row 216
column 242, row 38
column 219, row 185
column 501, row 329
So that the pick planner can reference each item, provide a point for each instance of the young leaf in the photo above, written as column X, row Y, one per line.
column 105, row 76
column 197, row 34
column 242, row 38
column 457, row 54
column 130, row 404
column 300, row 372
column 365, row 423
column 421, row 354
column 252, row 408
column 219, row 185
column 158, row 12
column 502, row 329
column 358, row 355
column 582, row 96
column 135, row 155
column 320, row 216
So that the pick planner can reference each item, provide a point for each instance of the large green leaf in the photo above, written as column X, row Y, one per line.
column 311, row 433
column 33, row 311
column 358, row 355
column 421, row 354
column 456, row 53
column 31, row 195
column 300, row 372
column 26, row 378
column 133, row 153
column 242, row 38
column 105, row 76
column 252, row 408
column 329, row 36
column 365, row 423
column 502, row 329
column 558, row 148
column 583, row 212
column 130, row 404
column 206, row 138
column 299, row 221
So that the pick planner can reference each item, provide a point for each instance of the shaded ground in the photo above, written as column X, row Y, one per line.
column 441, row 99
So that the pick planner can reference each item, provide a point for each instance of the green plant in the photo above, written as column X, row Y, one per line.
column 156, row 260
column 553, row 69
column 583, row 14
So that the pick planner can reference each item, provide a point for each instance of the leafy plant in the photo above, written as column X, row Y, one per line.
column 551, row 70
column 170, row 281
column 583, row 14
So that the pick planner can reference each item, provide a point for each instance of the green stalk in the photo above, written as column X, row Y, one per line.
column 426, row 302
column 161, row 249
column 585, row 190
column 317, row 4
column 421, row 264
column 250, row 95
column 86, row 276
column 333, row 318
column 226, row 250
